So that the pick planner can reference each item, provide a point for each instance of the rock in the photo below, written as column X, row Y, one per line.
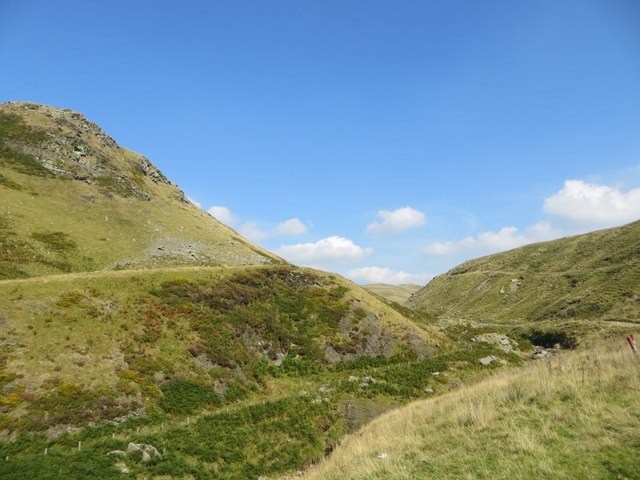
column 123, row 468
column 353, row 378
column 149, row 452
column 133, row 447
column 383, row 455
column 488, row 360
column 323, row 389
column 428, row 390
column 541, row 352
column 117, row 453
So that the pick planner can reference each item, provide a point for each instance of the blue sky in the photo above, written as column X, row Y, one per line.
column 387, row 141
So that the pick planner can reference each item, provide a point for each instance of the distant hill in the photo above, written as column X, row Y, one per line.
column 74, row 200
column 395, row 293
column 591, row 276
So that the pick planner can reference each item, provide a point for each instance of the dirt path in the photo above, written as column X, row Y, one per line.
column 114, row 273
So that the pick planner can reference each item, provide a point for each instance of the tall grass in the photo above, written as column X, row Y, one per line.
column 573, row 416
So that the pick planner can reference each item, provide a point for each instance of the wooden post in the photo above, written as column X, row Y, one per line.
column 46, row 451
column 79, row 445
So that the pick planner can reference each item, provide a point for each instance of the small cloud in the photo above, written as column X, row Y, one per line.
column 330, row 249
column 251, row 231
column 397, row 221
column 223, row 215
column 293, row 226
column 593, row 205
column 386, row 275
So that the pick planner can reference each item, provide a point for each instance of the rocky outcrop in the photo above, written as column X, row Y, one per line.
column 72, row 147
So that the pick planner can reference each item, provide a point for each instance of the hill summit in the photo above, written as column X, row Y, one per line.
column 77, row 201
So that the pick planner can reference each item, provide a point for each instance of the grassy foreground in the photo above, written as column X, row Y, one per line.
column 573, row 416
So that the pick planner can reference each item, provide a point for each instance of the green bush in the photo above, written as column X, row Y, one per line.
column 186, row 396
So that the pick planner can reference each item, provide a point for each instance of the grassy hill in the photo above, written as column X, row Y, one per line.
column 574, row 416
column 129, row 316
column 395, row 293
column 595, row 276
column 230, row 372
column 73, row 200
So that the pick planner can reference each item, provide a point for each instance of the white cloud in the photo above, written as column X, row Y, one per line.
column 397, row 221
column 251, row 231
column 486, row 242
column 223, row 214
column 594, row 205
column 293, row 226
column 330, row 249
column 386, row 275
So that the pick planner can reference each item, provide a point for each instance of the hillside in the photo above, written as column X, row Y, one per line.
column 197, row 362
column 130, row 317
column 74, row 200
column 395, row 293
column 575, row 416
column 591, row 276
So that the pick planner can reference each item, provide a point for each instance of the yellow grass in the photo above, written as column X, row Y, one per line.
column 574, row 416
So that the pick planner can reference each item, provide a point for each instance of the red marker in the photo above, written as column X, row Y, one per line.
column 632, row 343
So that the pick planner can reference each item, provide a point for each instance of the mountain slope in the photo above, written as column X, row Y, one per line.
column 591, row 276
column 395, row 293
column 74, row 200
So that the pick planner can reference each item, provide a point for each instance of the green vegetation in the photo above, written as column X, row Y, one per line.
column 236, row 353
column 267, row 437
column 184, row 396
column 56, row 241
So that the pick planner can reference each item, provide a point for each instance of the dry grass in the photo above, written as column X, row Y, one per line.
column 574, row 416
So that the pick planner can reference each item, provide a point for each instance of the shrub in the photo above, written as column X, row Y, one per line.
column 186, row 396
